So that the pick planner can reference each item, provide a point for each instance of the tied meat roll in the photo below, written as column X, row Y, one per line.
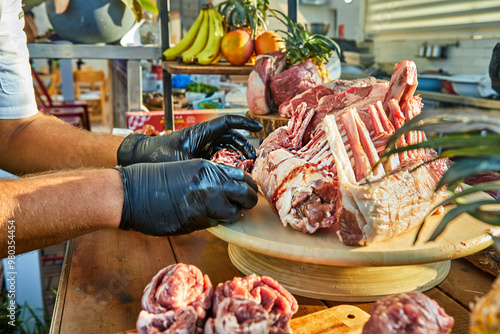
column 177, row 300
column 408, row 313
column 251, row 304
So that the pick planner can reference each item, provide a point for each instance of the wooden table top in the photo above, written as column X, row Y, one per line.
column 105, row 272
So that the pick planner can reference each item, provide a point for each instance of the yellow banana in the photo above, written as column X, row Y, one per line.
column 188, row 39
column 211, row 51
column 217, row 59
column 189, row 55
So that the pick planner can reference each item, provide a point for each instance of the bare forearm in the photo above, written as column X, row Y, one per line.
column 49, row 209
column 42, row 143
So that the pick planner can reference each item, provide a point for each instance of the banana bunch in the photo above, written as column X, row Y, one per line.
column 201, row 44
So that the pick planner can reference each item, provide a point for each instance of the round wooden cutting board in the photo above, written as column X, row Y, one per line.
column 320, row 266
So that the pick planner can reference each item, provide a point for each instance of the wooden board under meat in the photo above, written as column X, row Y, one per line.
column 342, row 319
column 270, row 122
column 260, row 230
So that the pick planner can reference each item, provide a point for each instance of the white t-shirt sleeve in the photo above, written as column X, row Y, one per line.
column 17, row 96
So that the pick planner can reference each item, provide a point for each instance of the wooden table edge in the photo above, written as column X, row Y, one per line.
column 55, row 325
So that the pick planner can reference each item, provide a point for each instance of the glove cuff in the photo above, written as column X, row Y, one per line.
column 125, row 154
column 126, row 219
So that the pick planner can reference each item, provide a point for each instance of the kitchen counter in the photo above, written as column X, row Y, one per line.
column 105, row 272
column 489, row 104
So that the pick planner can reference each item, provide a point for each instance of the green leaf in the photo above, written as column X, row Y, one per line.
column 466, row 168
column 488, row 217
column 149, row 6
column 467, row 191
column 446, row 122
column 234, row 18
column 447, row 141
column 496, row 243
column 457, row 211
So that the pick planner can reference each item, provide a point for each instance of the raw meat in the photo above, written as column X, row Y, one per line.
column 369, row 210
column 483, row 178
column 300, row 184
column 181, row 300
column 238, row 315
column 258, row 92
column 232, row 158
column 177, row 300
column 313, row 95
column 235, row 301
column 412, row 312
column 293, row 81
column 318, row 170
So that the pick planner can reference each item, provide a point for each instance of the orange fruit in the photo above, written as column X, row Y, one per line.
column 267, row 42
column 237, row 47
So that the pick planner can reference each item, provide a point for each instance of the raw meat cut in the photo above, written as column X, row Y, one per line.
column 238, row 315
column 258, row 93
column 313, row 95
column 293, row 81
column 180, row 300
column 412, row 312
column 370, row 209
column 235, row 301
column 319, row 170
column 232, row 158
column 177, row 300
column 483, row 178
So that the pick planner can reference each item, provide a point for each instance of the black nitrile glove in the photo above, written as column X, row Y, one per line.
column 197, row 141
column 184, row 196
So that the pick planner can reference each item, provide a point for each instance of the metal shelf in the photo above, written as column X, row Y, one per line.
column 174, row 67
column 92, row 51
column 133, row 55
column 458, row 99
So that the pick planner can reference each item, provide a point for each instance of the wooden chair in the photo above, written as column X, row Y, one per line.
column 90, row 86
column 73, row 112
column 54, row 88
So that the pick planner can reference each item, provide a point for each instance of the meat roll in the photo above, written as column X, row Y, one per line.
column 178, row 299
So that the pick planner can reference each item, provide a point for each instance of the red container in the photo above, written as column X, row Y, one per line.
column 158, row 70
column 449, row 87
column 137, row 119
column 182, row 118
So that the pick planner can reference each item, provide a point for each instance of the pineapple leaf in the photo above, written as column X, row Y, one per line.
column 447, row 141
column 489, row 217
column 469, row 190
column 468, row 167
column 434, row 123
column 496, row 242
column 234, row 17
column 300, row 45
column 455, row 212
column 244, row 13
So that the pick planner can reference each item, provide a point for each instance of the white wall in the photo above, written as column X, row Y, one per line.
column 470, row 57
column 346, row 14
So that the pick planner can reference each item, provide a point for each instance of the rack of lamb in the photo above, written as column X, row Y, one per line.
column 321, row 170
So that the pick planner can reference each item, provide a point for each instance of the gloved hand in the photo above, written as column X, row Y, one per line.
column 183, row 196
column 200, row 140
